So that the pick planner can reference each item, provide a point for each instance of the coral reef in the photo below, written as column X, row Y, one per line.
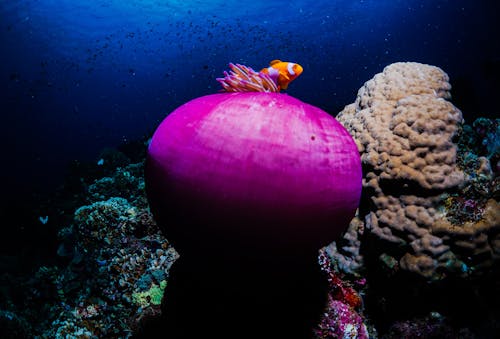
column 14, row 326
column 405, row 130
column 126, row 183
column 153, row 296
column 115, row 267
column 348, row 258
column 432, row 326
column 342, row 317
column 341, row 322
column 426, row 233
column 481, row 139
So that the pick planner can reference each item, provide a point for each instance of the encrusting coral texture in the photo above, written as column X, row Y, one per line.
column 405, row 130
column 113, row 268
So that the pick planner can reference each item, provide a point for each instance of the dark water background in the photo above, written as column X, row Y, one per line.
column 78, row 76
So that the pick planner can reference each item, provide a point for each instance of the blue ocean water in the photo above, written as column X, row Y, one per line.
column 80, row 76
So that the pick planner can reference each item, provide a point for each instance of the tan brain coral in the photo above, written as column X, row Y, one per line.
column 404, row 128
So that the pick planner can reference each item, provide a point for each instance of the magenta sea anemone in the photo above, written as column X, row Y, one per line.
column 247, row 187
column 257, row 169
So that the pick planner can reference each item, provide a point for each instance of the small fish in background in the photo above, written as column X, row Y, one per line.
column 43, row 219
column 283, row 72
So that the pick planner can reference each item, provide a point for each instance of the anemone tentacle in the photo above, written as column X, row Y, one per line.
column 242, row 78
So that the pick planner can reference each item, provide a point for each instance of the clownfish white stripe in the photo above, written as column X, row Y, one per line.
column 273, row 71
column 289, row 68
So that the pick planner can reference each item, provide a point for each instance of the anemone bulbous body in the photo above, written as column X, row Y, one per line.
column 252, row 169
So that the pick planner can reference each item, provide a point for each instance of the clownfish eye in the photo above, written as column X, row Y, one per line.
column 297, row 68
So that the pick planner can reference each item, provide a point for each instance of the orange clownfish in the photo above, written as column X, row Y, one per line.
column 282, row 72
